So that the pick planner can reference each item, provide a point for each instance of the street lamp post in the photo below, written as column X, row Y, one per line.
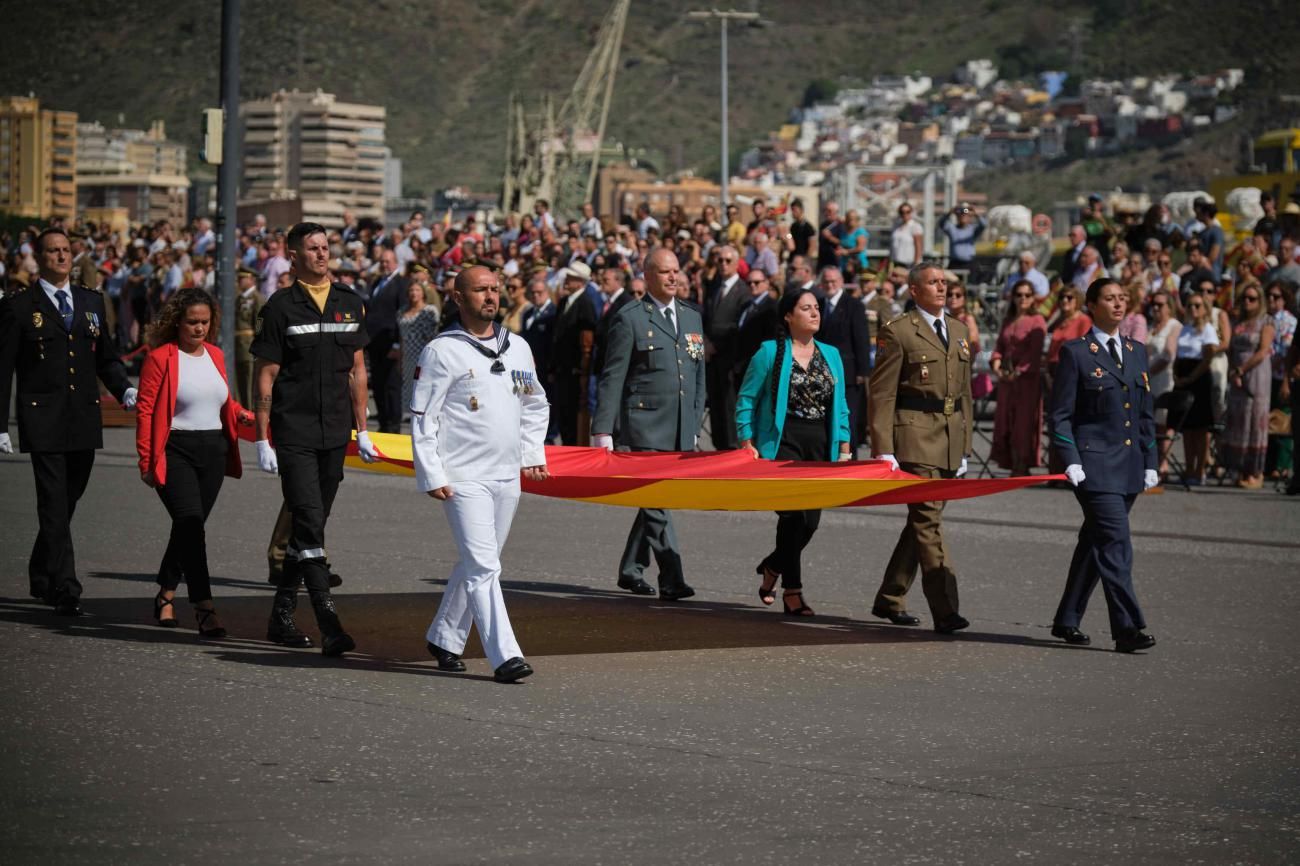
column 723, row 17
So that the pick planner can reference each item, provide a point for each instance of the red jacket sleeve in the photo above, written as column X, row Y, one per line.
column 151, row 378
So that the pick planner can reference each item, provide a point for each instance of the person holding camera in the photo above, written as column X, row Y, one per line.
column 963, row 227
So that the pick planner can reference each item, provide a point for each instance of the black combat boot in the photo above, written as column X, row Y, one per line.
column 282, row 629
column 334, row 641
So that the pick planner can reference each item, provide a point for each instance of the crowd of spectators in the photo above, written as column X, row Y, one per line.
column 1218, row 317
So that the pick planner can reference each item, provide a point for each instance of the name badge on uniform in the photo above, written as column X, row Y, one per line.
column 695, row 346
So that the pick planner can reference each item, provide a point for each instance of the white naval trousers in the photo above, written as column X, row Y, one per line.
column 479, row 514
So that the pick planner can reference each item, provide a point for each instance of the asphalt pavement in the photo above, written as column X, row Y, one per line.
column 707, row 731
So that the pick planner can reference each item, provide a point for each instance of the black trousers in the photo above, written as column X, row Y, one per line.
column 720, row 388
column 567, row 398
column 309, row 479
column 1104, row 553
column 801, row 439
column 196, row 466
column 61, row 478
column 386, row 382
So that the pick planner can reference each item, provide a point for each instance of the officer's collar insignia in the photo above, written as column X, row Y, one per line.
column 1099, row 372
column 37, row 320
column 1092, row 347
column 1128, row 347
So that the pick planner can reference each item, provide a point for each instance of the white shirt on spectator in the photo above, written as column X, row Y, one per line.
column 1191, row 342
column 902, row 243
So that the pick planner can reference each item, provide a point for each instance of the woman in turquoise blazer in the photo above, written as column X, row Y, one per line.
column 791, row 406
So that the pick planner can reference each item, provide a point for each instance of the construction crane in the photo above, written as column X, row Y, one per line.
column 555, row 156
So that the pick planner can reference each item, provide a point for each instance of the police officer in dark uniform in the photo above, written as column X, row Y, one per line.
column 311, row 392
column 55, row 336
column 1103, row 427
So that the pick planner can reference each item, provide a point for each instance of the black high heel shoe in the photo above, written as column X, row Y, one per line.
column 159, row 602
column 801, row 610
column 202, row 615
column 767, row 589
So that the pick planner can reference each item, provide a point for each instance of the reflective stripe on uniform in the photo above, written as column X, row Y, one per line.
column 313, row 553
column 323, row 327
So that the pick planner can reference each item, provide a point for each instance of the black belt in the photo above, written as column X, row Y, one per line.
column 941, row 406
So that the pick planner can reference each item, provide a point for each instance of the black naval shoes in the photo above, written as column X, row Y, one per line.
column 512, row 670
column 447, row 661
column 897, row 617
column 950, row 624
column 1070, row 634
column 636, row 586
column 1131, row 642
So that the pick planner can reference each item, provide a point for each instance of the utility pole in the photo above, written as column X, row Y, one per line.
column 228, row 179
column 724, row 17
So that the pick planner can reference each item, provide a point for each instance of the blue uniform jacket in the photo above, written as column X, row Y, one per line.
column 1103, row 418
column 758, row 420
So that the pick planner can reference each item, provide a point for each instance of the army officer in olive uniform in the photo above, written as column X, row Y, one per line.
column 55, row 337
column 652, row 384
column 921, row 410
column 248, row 304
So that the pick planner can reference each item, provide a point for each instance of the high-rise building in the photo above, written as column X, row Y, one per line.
column 327, row 153
column 134, row 169
column 38, row 159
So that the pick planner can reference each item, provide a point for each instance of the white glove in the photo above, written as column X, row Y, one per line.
column 266, row 457
column 1074, row 472
column 603, row 440
column 128, row 399
column 961, row 470
column 890, row 459
column 369, row 453
column 6, row 447
column 1150, row 479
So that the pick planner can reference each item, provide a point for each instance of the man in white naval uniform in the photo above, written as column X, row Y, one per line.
column 479, row 414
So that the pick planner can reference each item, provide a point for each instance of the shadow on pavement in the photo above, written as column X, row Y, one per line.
column 549, row 620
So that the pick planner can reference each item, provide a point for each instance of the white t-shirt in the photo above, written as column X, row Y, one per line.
column 1191, row 342
column 902, row 247
column 200, row 393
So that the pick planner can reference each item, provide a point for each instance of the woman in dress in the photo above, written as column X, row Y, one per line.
column 1198, row 343
column 853, row 246
column 1134, row 325
column 1017, row 366
column 1071, row 324
column 792, row 406
column 1281, row 306
column 960, row 309
column 186, row 441
column 1249, row 379
column 416, row 326
column 1162, row 348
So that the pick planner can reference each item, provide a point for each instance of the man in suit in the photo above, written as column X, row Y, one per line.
column 844, row 326
column 387, row 299
column 1103, row 427
column 613, row 297
column 570, row 358
column 758, row 322
column 721, row 320
column 58, row 404
column 1071, row 260
column 920, row 413
column 652, row 393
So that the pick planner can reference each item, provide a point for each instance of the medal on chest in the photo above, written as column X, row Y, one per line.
column 1098, row 373
column 93, row 324
column 38, row 320
column 695, row 346
column 473, row 398
column 925, row 373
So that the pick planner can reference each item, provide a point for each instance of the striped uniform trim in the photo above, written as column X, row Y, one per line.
column 323, row 327
column 313, row 553
column 1062, row 438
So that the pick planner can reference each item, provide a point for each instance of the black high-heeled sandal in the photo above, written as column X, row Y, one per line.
column 801, row 610
column 767, row 589
column 159, row 602
column 202, row 615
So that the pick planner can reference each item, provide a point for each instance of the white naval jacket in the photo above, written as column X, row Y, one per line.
column 470, row 423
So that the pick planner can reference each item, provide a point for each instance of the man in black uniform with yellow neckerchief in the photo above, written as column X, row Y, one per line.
column 311, row 392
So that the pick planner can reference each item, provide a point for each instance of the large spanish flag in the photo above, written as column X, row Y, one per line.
column 716, row 480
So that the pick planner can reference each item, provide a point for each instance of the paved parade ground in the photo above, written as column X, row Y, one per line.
column 708, row 731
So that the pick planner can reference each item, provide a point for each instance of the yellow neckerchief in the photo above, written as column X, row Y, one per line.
column 318, row 293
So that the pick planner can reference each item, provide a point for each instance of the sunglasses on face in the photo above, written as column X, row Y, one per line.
column 758, row 282
column 1155, row 304
column 1196, row 306
column 1024, row 295
column 1254, row 299
column 1274, row 296
column 953, row 294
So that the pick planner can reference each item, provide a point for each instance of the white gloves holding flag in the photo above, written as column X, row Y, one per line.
column 369, row 453
column 1074, row 472
column 891, row 460
column 602, row 440
column 1150, row 478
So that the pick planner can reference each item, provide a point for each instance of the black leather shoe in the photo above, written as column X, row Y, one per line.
column 896, row 617
column 950, row 624
column 335, row 580
column 337, row 644
column 68, row 606
column 511, row 670
column 1070, row 634
column 281, row 629
column 677, row 594
column 1133, row 641
column 447, row 661
column 636, row 586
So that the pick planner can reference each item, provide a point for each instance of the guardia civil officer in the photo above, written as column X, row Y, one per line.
column 311, row 393
column 55, row 336
column 653, row 385
column 1103, row 427
column 478, row 415
column 920, row 411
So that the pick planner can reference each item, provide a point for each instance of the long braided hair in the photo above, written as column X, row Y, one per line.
column 784, row 307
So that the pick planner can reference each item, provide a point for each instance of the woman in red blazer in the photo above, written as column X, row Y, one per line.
column 185, row 436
